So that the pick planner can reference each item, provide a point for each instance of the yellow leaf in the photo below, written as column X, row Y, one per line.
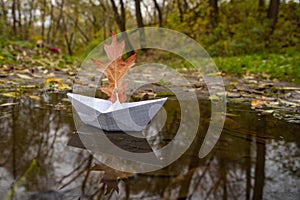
column 11, row 94
column 214, row 97
column 197, row 73
column 24, row 76
column 53, row 80
column 214, row 74
column 51, row 75
column 8, row 104
column 34, row 97
column 71, row 73
column 1, row 57
column 24, row 71
column 29, row 86
column 256, row 103
column 64, row 87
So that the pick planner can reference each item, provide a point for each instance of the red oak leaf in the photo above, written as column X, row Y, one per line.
column 115, row 69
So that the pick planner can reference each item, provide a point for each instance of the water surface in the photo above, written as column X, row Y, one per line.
column 256, row 157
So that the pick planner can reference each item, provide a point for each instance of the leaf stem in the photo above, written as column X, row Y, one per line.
column 116, row 82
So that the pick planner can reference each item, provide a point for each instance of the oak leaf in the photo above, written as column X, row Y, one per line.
column 115, row 69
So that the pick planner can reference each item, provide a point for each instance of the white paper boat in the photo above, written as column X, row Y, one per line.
column 103, row 114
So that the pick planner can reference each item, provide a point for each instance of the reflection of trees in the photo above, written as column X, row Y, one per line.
column 33, row 130
column 260, row 161
column 236, row 169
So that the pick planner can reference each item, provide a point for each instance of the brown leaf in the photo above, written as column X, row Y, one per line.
column 115, row 69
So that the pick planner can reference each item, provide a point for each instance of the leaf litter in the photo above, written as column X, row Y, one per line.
column 38, row 70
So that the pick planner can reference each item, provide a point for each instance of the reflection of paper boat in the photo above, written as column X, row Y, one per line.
column 132, row 116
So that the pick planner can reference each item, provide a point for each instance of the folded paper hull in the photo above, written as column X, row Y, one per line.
column 132, row 116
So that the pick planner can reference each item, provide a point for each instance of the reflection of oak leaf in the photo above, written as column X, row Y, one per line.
column 110, row 177
column 115, row 69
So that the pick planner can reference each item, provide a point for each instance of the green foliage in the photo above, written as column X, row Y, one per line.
column 242, row 28
column 286, row 35
column 267, row 65
column 88, row 48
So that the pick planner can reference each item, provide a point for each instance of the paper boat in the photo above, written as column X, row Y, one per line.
column 103, row 114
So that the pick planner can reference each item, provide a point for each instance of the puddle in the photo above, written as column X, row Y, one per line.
column 257, row 157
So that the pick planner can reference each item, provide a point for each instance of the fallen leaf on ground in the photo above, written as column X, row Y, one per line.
column 197, row 73
column 34, row 97
column 290, row 103
column 267, row 112
column 214, row 97
column 8, row 104
column 53, row 80
column 11, row 94
column 51, row 75
column 71, row 73
column 28, row 86
column 24, row 71
column 24, row 76
column 63, row 87
column 233, row 95
column 256, row 103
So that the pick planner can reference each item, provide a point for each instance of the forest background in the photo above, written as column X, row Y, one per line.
column 243, row 36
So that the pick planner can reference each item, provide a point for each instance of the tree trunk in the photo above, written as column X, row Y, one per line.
column 4, row 20
column 121, row 21
column 43, row 17
column 214, row 12
column 273, row 13
column 51, row 23
column 120, row 18
column 160, row 18
column 180, row 10
column 138, row 14
column 261, row 4
column 58, row 20
column 28, row 19
column 139, row 20
column 19, row 19
column 13, row 11
column 68, row 38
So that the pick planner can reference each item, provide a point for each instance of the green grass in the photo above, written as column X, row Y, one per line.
column 284, row 67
